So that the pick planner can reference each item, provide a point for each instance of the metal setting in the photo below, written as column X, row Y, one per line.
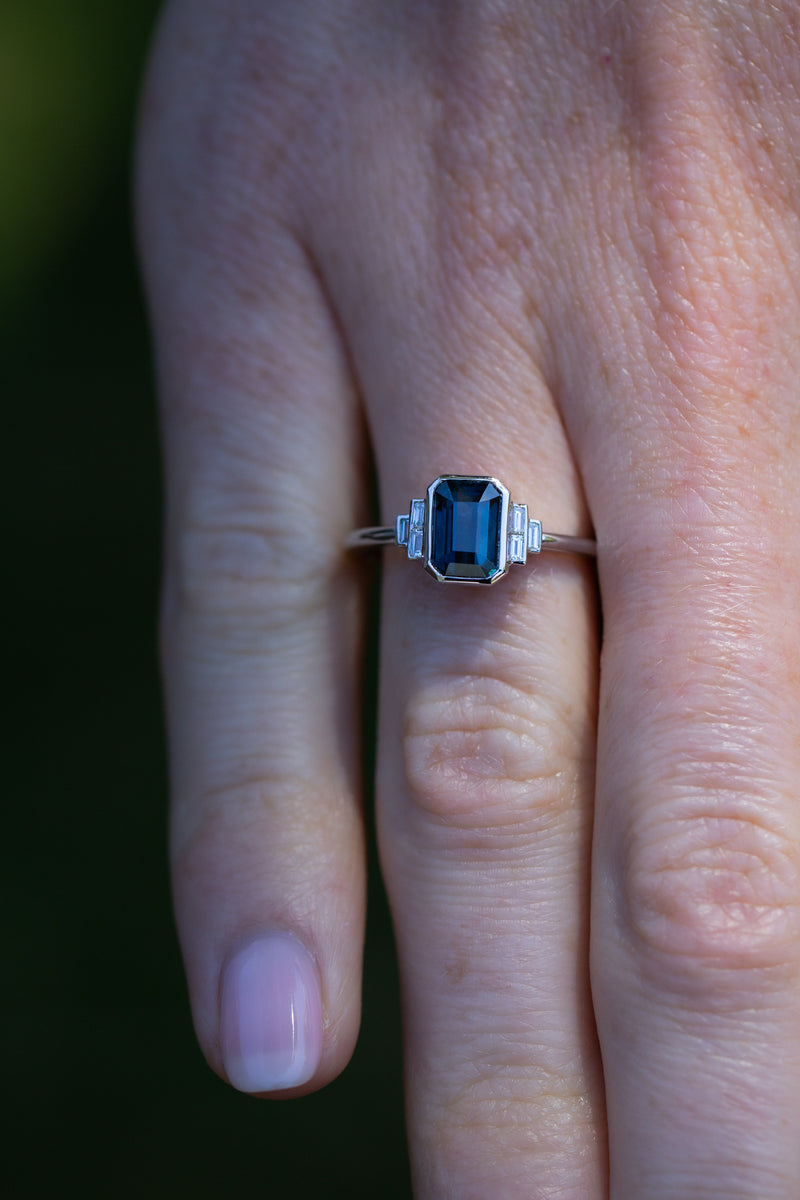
column 442, row 529
column 502, row 539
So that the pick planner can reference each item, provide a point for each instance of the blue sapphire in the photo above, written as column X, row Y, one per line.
column 466, row 527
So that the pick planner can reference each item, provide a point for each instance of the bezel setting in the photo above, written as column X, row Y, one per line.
column 494, row 563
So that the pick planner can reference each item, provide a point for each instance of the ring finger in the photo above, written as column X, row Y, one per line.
column 486, row 751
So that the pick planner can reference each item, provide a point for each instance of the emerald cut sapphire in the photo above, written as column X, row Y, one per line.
column 466, row 532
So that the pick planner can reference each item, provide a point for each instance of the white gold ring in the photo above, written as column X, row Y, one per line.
column 468, row 530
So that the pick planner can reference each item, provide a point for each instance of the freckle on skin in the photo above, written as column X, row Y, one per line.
column 457, row 971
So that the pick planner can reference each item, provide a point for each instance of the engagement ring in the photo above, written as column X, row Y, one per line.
column 468, row 530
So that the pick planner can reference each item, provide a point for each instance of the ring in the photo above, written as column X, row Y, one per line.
column 467, row 530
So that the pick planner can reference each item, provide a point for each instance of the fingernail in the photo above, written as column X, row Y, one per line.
column 271, row 1015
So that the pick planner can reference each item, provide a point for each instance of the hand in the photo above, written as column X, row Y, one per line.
column 558, row 243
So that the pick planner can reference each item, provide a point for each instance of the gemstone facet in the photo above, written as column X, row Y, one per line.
column 467, row 519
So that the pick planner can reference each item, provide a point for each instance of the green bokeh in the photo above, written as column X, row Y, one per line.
column 67, row 75
column 109, row 1094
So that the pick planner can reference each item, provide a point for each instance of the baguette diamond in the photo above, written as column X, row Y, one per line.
column 534, row 537
column 517, row 533
column 416, row 529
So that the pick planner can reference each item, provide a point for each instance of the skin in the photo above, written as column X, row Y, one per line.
column 558, row 243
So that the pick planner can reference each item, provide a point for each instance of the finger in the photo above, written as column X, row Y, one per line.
column 260, row 628
column 486, row 744
column 695, row 965
column 486, row 774
column 696, row 953
column 696, row 939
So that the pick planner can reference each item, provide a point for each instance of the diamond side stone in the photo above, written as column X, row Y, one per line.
column 415, row 543
column 517, row 518
column 534, row 537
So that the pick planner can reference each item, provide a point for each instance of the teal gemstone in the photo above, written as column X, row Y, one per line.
column 466, row 529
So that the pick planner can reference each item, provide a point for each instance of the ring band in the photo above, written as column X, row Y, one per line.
column 468, row 530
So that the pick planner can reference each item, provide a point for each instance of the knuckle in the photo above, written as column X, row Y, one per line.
column 235, row 563
column 482, row 752
column 242, row 566
column 486, row 1122
column 233, row 827
column 243, row 551
column 714, row 887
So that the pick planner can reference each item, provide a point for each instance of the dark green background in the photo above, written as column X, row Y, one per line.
column 108, row 1091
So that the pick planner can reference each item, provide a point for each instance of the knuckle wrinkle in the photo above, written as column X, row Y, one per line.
column 481, row 753
column 716, row 888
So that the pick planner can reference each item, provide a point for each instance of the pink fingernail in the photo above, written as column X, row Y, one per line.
column 271, row 1015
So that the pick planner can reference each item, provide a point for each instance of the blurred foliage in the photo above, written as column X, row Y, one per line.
column 109, row 1095
column 68, row 71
